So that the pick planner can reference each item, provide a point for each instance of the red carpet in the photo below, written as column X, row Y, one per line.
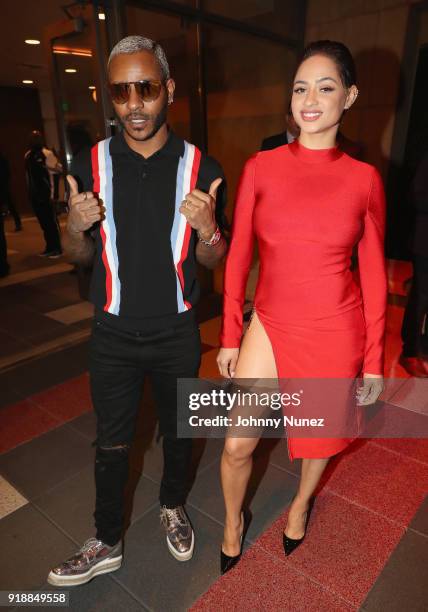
column 389, row 484
column 369, row 496
column 44, row 411
column 264, row 582
column 370, row 493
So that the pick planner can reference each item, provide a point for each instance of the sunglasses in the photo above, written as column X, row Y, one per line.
column 147, row 91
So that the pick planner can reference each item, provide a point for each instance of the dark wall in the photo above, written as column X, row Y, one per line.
column 400, row 199
column 19, row 114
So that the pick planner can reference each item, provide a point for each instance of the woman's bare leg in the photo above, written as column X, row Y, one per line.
column 312, row 470
column 256, row 361
column 236, row 466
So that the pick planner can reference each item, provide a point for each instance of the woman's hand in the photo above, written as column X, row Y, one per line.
column 227, row 359
column 370, row 390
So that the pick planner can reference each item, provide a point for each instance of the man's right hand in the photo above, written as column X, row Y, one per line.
column 84, row 209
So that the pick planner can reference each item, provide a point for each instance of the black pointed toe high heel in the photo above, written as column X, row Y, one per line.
column 226, row 562
column 291, row 544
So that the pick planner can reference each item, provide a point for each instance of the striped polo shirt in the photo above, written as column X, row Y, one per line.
column 145, row 270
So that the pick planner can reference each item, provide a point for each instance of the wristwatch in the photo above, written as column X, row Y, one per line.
column 214, row 238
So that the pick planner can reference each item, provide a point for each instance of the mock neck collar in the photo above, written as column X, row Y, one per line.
column 314, row 156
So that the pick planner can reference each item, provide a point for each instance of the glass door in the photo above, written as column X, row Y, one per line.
column 170, row 31
column 77, row 51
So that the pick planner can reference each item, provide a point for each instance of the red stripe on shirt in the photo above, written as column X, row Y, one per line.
column 96, row 189
column 188, row 230
column 95, row 169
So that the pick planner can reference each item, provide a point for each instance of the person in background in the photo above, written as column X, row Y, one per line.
column 80, row 143
column 7, row 203
column 277, row 140
column 4, row 265
column 40, row 165
column 350, row 147
column 414, row 332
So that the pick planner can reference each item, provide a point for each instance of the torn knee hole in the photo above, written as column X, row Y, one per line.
column 113, row 448
column 112, row 454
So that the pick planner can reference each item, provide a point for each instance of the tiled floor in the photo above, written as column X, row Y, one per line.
column 367, row 540
column 10, row 499
column 40, row 302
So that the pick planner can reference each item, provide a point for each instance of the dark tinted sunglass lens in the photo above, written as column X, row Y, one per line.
column 148, row 90
column 119, row 92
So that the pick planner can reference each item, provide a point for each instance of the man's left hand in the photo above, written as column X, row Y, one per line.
column 199, row 210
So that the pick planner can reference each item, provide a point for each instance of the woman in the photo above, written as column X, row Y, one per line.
column 308, row 204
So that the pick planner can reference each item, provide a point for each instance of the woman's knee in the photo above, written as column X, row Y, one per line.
column 238, row 450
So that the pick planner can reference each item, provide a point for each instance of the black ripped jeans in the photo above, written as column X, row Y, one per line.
column 119, row 362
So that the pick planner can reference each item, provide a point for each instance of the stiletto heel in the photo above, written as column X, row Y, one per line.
column 227, row 562
column 290, row 544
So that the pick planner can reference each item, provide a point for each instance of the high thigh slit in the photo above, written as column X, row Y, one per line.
column 308, row 209
column 311, row 364
column 254, row 320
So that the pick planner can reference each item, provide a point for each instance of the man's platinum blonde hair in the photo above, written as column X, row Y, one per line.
column 135, row 44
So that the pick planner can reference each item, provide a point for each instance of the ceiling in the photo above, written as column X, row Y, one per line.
column 22, row 19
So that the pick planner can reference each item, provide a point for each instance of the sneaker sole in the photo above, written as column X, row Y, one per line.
column 103, row 567
column 182, row 556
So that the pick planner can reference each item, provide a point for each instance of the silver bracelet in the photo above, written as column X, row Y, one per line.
column 215, row 238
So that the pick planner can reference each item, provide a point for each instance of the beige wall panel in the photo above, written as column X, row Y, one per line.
column 333, row 30
column 375, row 32
column 383, row 4
column 361, row 32
column 312, row 33
column 316, row 12
column 376, row 134
column 423, row 36
column 392, row 29
column 386, row 69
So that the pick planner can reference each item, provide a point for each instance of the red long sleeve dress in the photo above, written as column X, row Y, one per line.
column 307, row 209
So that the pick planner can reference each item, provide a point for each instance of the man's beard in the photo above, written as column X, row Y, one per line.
column 158, row 121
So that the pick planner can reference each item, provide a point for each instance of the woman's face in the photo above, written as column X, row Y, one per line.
column 319, row 97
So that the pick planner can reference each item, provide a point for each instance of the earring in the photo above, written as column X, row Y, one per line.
column 170, row 100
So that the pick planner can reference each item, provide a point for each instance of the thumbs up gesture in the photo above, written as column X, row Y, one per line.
column 199, row 210
column 84, row 208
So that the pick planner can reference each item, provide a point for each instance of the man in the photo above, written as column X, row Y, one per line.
column 290, row 134
column 80, row 143
column 153, row 221
column 40, row 165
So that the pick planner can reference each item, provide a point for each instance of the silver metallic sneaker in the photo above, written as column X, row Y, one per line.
column 179, row 533
column 93, row 559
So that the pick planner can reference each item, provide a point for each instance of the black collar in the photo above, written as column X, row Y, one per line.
column 174, row 146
